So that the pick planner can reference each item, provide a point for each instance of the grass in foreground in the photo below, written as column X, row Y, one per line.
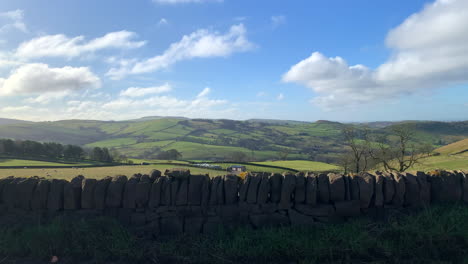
column 439, row 234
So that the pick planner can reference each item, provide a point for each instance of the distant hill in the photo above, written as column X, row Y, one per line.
column 213, row 139
column 7, row 121
column 149, row 118
column 454, row 148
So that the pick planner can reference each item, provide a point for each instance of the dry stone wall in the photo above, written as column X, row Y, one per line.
column 178, row 202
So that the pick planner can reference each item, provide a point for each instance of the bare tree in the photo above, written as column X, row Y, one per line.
column 398, row 153
column 358, row 143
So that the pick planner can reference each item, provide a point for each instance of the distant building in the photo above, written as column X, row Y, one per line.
column 237, row 169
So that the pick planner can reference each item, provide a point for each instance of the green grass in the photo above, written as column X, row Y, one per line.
column 110, row 143
column 443, row 162
column 26, row 163
column 252, row 168
column 99, row 172
column 302, row 165
column 454, row 148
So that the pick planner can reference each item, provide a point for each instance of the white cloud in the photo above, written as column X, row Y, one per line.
column 204, row 92
column 280, row 97
column 38, row 78
column 163, row 22
column 12, row 20
column 277, row 21
column 200, row 44
column 186, row 1
column 138, row 91
column 429, row 51
column 63, row 46
column 47, row 97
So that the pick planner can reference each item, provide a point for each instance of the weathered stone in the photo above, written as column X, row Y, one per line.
column 215, row 183
column 4, row 182
column 194, row 189
column 289, row 183
column 379, row 196
column 205, row 192
column 171, row 226
column 72, row 193
column 348, row 208
column 39, row 198
column 300, row 188
column 388, row 188
column 175, row 183
column 264, row 190
column 231, row 188
column 212, row 225
column 337, row 187
column 143, row 189
column 177, row 173
column 323, row 188
column 268, row 220
column 298, row 219
column 268, row 208
column 138, row 219
column 129, row 193
column 166, row 191
column 320, row 210
column 10, row 193
column 55, row 197
column 412, row 194
column 366, row 189
column 156, row 192
column 193, row 225
column 400, row 189
column 100, row 191
column 25, row 190
column 311, row 190
column 253, row 189
column 114, row 194
column 87, row 193
column 354, row 184
column 244, row 187
column 182, row 193
column 446, row 187
column 154, row 174
column 465, row 186
column 220, row 191
column 347, row 181
column 275, row 183
column 424, row 188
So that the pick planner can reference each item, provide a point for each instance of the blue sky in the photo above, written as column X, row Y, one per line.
column 238, row 59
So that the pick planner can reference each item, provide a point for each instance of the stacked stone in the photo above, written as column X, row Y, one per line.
column 178, row 202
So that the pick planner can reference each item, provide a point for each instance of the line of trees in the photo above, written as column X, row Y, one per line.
column 52, row 150
column 396, row 151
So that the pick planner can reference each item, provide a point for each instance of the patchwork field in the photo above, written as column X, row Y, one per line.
column 302, row 165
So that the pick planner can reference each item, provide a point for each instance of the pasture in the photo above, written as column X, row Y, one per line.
column 5, row 162
column 302, row 165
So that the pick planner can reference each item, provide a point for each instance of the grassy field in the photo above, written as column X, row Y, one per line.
column 443, row 162
column 99, row 172
column 302, row 165
column 26, row 163
column 454, row 148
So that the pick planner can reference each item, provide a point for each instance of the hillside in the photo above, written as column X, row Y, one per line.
column 7, row 121
column 206, row 139
column 454, row 148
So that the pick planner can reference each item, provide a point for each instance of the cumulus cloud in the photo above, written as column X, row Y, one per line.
column 277, row 21
column 199, row 44
column 429, row 51
column 38, row 78
column 63, row 46
column 138, row 91
column 185, row 1
column 12, row 20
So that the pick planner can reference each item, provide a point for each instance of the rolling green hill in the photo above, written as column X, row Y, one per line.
column 205, row 139
column 454, row 148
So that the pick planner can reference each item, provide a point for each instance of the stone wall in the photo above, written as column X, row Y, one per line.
column 179, row 202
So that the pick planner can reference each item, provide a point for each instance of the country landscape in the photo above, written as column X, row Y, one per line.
column 233, row 131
